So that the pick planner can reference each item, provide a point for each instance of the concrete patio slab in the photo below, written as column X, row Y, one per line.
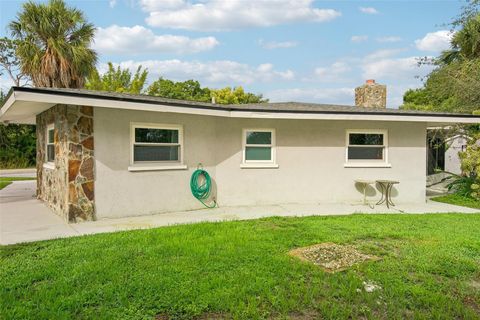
column 24, row 218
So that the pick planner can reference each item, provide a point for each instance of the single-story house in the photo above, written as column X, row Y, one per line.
column 106, row 155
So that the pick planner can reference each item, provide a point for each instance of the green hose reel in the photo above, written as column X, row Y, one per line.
column 201, row 186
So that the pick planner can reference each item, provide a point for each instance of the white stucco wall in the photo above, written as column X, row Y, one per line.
column 310, row 155
column 452, row 160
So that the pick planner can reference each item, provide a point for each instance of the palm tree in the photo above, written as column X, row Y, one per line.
column 54, row 44
column 465, row 43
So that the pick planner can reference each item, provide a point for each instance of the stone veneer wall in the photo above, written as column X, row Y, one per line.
column 68, row 188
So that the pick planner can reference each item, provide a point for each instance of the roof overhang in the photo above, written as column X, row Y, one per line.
column 22, row 106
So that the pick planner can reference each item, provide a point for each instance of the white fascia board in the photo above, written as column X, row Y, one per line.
column 7, row 105
column 128, row 105
column 115, row 104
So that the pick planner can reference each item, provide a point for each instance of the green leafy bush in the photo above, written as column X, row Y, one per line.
column 17, row 146
column 469, row 184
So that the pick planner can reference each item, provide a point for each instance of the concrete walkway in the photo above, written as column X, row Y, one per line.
column 29, row 173
column 25, row 219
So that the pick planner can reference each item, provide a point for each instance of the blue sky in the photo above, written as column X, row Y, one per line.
column 297, row 50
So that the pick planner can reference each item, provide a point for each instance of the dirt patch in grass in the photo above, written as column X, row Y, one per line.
column 332, row 257
column 472, row 303
column 203, row 316
column 304, row 315
column 475, row 284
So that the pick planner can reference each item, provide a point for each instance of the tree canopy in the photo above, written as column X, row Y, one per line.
column 236, row 95
column 454, row 84
column 9, row 62
column 117, row 80
column 53, row 44
column 185, row 90
column 192, row 90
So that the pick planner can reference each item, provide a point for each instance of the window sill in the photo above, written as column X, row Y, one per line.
column 49, row 165
column 157, row 168
column 367, row 165
column 259, row 166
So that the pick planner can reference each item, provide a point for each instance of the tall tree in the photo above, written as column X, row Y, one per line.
column 454, row 84
column 192, row 90
column 117, row 80
column 465, row 44
column 184, row 90
column 53, row 44
column 9, row 62
column 236, row 95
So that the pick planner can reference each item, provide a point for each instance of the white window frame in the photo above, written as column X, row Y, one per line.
column 156, row 165
column 366, row 163
column 49, row 164
column 259, row 163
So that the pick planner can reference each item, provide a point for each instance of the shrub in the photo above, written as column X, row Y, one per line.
column 17, row 146
column 469, row 184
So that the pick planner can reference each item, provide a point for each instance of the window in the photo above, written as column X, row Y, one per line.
column 156, row 144
column 366, row 147
column 259, row 148
column 50, row 143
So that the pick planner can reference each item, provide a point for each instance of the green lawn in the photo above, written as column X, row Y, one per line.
column 429, row 269
column 458, row 200
column 5, row 181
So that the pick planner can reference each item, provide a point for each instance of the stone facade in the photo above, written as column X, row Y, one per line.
column 67, row 185
column 371, row 95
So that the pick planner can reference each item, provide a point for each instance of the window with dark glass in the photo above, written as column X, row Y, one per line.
column 366, row 146
column 156, row 145
column 50, row 144
column 258, row 146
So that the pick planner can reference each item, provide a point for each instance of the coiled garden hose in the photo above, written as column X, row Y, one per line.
column 201, row 186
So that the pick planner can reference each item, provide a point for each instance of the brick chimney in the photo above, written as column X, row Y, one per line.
column 371, row 95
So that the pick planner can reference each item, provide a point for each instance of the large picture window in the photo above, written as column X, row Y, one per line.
column 156, row 143
column 259, row 147
column 50, row 145
column 366, row 146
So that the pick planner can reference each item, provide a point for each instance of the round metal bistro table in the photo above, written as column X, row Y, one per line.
column 365, row 184
column 386, row 187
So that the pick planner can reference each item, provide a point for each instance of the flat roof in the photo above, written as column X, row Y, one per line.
column 22, row 104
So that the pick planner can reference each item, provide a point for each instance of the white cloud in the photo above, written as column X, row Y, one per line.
column 389, row 39
column 277, row 45
column 358, row 39
column 217, row 15
column 139, row 40
column 396, row 70
column 435, row 41
column 217, row 73
column 383, row 53
column 332, row 73
column 318, row 95
column 156, row 5
column 112, row 3
column 368, row 10
column 389, row 68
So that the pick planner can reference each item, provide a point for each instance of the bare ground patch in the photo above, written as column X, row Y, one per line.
column 203, row 316
column 332, row 257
